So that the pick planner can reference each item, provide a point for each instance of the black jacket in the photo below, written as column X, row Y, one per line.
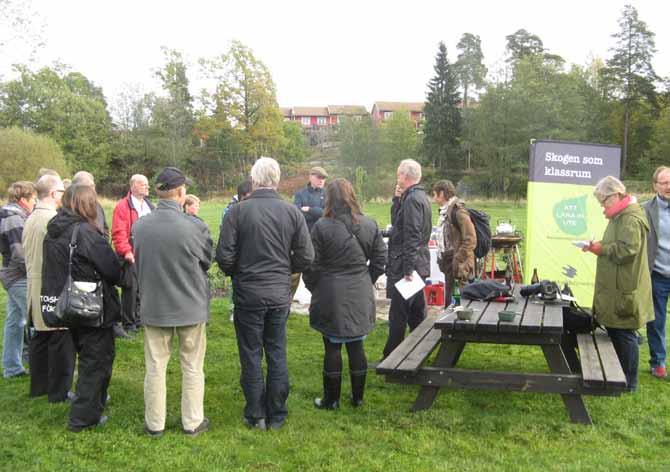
column 93, row 260
column 263, row 240
column 411, row 218
column 343, row 302
column 311, row 197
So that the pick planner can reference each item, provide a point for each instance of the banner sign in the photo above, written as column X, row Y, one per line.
column 562, row 209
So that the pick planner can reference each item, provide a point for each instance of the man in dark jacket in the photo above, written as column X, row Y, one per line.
column 658, row 243
column 311, row 200
column 127, row 211
column 411, row 220
column 173, row 252
column 264, row 240
column 22, row 198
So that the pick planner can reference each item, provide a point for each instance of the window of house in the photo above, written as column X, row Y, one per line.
column 306, row 120
column 388, row 115
column 321, row 120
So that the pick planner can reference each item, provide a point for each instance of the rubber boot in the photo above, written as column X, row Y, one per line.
column 332, row 385
column 357, row 387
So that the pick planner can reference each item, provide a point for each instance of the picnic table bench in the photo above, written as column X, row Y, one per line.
column 540, row 324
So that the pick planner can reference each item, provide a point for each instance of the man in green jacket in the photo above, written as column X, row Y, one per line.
column 622, row 300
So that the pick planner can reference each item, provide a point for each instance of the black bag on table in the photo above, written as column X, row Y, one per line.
column 485, row 290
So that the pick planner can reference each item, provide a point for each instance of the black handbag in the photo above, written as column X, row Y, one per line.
column 80, row 303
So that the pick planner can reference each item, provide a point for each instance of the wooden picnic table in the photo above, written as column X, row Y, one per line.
column 540, row 324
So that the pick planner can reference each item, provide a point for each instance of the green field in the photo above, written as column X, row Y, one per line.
column 465, row 430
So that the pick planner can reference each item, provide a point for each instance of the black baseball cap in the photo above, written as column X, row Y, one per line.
column 170, row 178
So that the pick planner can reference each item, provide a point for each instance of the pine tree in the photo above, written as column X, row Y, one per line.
column 629, row 73
column 442, row 129
column 470, row 64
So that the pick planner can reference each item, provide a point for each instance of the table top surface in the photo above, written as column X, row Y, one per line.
column 534, row 317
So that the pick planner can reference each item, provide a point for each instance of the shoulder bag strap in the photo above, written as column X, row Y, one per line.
column 355, row 236
column 73, row 246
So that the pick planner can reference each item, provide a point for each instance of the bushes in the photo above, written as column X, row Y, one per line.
column 23, row 153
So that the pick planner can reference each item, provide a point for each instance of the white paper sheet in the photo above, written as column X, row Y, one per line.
column 408, row 288
column 581, row 244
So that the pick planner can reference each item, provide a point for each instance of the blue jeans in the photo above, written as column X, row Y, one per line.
column 628, row 350
column 263, row 331
column 12, row 343
column 656, row 329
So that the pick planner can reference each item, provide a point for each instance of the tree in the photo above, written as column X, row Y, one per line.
column 442, row 128
column 23, row 153
column 470, row 64
column 65, row 106
column 522, row 44
column 398, row 139
column 629, row 73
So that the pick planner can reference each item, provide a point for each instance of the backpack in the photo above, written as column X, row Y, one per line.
column 480, row 220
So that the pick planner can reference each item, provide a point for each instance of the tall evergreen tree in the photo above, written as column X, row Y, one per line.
column 442, row 129
column 629, row 73
column 470, row 64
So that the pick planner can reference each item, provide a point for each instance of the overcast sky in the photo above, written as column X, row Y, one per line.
column 334, row 52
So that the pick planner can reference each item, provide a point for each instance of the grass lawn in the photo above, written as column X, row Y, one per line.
column 465, row 430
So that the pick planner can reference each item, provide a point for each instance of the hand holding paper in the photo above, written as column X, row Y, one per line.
column 407, row 288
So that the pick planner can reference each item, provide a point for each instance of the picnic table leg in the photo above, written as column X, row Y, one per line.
column 573, row 403
column 447, row 356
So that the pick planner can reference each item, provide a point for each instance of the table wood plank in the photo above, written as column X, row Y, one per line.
column 614, row 375
column 513, row 326
column 415, row 359
column 589, row 359
column 407, row 346
column 552, row 322
column 469, row 325
column 488, row 321
column 532, row 318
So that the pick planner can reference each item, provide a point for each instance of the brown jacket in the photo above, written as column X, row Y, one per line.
column 33, row 237
column 458, row 261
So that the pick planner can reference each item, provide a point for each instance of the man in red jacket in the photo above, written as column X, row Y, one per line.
column 127, row 211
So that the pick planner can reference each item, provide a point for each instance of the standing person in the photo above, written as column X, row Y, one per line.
column 86, row 178
column 127, row 211
column 658, row 243
column 192, row 205
column 408, row 251
column 52, row 354
column 21, row 201
column 457, row 239
column 173, row 252
column 311, row 200
column 622, row 300
column 263, row 240
column 93, row 260
column 341, row 281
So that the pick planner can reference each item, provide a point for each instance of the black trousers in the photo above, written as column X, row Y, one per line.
column 626, row 345
column 332, row 359
column 130, row 298
column 52, row 359
column 96, row 350
column 258, row 332
column 403, row 313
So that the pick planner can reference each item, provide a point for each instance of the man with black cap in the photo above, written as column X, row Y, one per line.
column 173, row 253
column 311, row 200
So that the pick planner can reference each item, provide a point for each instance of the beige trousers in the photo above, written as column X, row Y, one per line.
column 157, row 350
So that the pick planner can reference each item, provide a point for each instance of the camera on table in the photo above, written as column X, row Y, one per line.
column 544, row 290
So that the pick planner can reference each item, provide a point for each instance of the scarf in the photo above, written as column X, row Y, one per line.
column 443, row 243
column 618, row 207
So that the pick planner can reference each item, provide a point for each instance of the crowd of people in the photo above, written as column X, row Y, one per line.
column 53, row 232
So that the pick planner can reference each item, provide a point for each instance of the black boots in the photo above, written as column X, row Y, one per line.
column 357, row 387
column 332, row 385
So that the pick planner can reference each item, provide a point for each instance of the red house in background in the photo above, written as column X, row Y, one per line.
column 315, row 117
column 382, row 111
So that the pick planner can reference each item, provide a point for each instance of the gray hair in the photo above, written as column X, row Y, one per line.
column 265, row 173
column 608, row 186
column 410, row 169
column 137, row 177
column 83, row 178
column 47, row 184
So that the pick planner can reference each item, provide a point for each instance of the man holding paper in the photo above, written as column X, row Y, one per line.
column 408, row 257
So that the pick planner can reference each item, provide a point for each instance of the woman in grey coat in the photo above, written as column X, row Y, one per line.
column 349, row 257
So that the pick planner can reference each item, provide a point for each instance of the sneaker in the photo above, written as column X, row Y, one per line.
column 152, row 433
column 256, row 424
column 119, row 332
column 202, row 428
column 659, row 372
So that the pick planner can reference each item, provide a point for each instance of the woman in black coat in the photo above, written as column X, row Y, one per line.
column 93, row 260
column 349, row 256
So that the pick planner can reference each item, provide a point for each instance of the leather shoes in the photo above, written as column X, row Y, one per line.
column 256, row 424
column 202, row 428
column 276, row 425
column 78, row 429
column 152, row 433
column 119, row 332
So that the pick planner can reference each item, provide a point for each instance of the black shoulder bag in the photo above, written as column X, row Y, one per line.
column 80, row 303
